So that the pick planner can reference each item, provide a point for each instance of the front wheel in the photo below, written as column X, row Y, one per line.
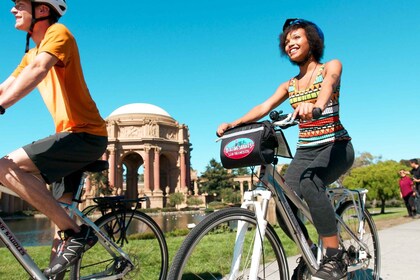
column 138, row 235
column 369, row 259
column 207, row 252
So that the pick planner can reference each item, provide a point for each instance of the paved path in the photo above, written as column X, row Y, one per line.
column 400, row 252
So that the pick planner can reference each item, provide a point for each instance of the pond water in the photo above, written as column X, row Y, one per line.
column 37, row 231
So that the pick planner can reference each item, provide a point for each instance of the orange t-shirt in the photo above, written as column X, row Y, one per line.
column 64, row 89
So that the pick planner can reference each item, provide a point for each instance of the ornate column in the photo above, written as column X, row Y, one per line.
column 195, row 187
column 112, row 169
column 183, row 168
column 146, row 169
column 156, row 169
column 241, row 187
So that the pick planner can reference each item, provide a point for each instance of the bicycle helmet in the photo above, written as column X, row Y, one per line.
column 59, row 7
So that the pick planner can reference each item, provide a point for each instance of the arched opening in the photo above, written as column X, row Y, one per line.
column 131, row 163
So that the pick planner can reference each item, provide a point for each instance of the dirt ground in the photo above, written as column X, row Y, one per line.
column 387, row 223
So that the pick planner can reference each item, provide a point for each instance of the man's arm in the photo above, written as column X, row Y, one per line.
column 14, row 89
column 6, row 84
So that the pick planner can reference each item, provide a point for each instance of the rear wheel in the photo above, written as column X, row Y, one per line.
column 370, row 258
column 207, row 252
column 138, row 236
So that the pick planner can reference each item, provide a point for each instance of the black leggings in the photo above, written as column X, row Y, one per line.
column 309, row 173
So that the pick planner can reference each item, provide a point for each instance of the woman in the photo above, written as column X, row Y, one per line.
column 324, row 148
column 406, row 192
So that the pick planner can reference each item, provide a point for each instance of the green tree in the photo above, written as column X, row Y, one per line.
column 101, row 182
column 230, row 195
column 215, row 178
column 380, row 179
column 365, row 159
column 176, row 199
column 241, row 171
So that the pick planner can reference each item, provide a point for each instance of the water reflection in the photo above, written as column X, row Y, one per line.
column 39, row 231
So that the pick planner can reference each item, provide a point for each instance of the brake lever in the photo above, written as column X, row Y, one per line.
column 288, row 121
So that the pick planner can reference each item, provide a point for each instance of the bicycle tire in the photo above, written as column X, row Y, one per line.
column 207, row 250
column 371, row 268
column 144, row 243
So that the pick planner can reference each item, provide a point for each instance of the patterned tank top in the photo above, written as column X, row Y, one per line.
column 328, row 127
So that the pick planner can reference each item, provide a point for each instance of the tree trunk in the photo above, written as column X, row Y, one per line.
column 383, row 206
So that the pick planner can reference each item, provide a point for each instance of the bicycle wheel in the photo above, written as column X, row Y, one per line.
column 139, row 236
column 370, row 260
column 207, row 251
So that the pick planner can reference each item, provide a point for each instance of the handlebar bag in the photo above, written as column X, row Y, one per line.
column 248, row 145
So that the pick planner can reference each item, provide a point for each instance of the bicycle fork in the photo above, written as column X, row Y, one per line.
column 260, row 209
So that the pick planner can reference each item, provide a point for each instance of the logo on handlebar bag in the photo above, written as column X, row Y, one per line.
column 239, row 148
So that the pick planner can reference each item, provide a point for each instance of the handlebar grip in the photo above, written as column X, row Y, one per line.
column 316, row 113
column 274, row 115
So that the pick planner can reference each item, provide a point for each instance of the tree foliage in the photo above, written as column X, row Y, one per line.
column 194, row 201
column 101, row 182
column 230, row 195
column 176, row 199
column 241, row 171
column 380, row 179
column 215, row 178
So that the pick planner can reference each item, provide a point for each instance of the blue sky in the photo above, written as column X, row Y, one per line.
column 207, row 62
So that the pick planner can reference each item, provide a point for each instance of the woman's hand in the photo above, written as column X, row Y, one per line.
column 304, row 111
column 222, row 128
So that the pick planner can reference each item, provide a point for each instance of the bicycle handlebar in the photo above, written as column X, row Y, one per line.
column 286, row 120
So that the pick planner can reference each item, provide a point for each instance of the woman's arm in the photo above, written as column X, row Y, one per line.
column 332, row 76
column 331, row 81
column 259, row 111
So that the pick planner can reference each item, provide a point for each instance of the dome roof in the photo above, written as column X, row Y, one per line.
column 139, row 108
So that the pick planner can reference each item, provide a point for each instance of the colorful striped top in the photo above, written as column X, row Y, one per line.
column 328, row 127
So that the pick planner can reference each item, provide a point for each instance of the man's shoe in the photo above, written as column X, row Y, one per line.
column 333, row 266
column 71, row 248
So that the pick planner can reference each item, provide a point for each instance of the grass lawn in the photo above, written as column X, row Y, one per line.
column 10, row 269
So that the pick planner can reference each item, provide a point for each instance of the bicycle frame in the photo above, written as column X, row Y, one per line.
column 26, row 261
column 19, row 252
column 272, row 185
column 105, row 241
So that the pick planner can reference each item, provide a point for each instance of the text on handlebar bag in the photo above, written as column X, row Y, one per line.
column 248, row 145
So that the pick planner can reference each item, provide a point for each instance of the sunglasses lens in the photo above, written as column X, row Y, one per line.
column 291, row 21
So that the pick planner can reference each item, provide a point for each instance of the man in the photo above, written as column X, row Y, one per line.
column 53, row 66
column 415, row 171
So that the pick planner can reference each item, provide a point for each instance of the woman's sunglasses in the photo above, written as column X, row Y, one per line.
column 297, row 21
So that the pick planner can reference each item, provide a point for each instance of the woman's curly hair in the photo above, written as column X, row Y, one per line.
column 314, row 35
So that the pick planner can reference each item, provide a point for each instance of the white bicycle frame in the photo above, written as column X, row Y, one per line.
column 272, row 185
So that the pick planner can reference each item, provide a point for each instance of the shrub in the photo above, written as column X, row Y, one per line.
column 217, row 205
column 194, row 201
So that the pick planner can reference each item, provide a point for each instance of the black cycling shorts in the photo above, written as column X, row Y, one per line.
column 64, row 153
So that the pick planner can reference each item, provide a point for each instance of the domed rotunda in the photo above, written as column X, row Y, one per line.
column 145, row 136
